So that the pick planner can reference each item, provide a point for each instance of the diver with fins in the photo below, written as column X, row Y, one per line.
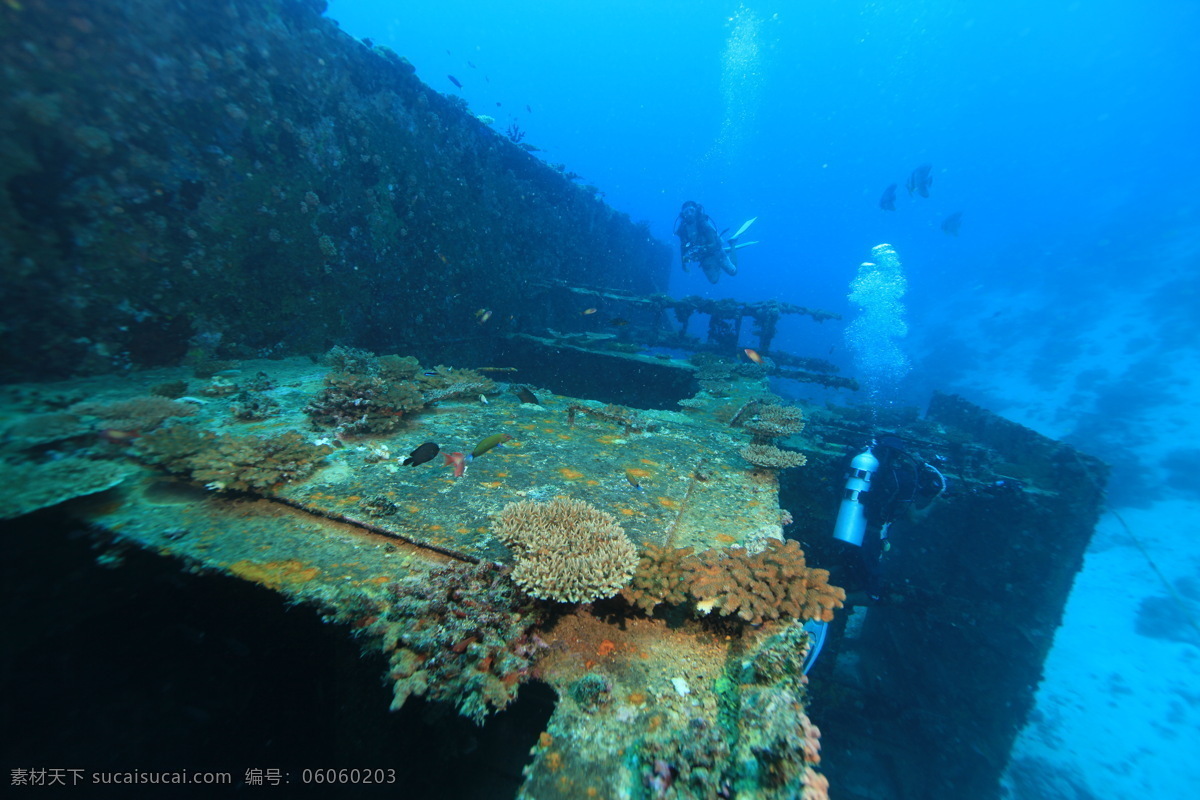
column 700, row 242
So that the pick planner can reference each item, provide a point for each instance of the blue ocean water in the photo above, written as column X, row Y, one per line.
column 1064, row 134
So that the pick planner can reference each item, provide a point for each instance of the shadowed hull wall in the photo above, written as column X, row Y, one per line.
column 242, row 178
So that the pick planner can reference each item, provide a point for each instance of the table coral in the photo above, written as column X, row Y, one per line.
column 135, row 414
column 768, row 455
column 566, row 550
column 766, row 421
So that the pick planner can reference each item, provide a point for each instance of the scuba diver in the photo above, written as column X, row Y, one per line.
column 884, row 482
column 700, row 242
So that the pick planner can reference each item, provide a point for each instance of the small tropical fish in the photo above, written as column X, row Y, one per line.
column 920, row 180
column 587, row 312
column 454, row 80
column 483, row 315
column 952, row 223
column 483, row 399
column 753, row 355
column 469, row 64
column 633, row 481
column 458, row 460
column 526, row 396
column 424, row 453
column 530, row 110
column 617, row 322
column 888, row 201
column 489, row 443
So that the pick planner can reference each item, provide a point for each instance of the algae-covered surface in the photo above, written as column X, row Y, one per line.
column 644, row 701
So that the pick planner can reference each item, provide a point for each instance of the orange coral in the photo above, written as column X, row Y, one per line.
column 771, row 584
column 768, row 585
column 658, row 578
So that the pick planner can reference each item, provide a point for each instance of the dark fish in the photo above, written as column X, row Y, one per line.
column 454, row 80
column 424, row 453
column 888, row 201
column 920, row 180
column 618, row 322
column 526, row 396
column 952, row 223
column 530, row 110
column 469, row 64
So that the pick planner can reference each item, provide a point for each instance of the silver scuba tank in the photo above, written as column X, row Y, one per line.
column 851, row 523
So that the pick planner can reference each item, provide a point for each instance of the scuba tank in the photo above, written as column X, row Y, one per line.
column 851, row 523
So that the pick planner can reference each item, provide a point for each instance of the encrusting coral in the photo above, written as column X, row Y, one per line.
column 771, row 584
column 566, row 550
column 241, row 463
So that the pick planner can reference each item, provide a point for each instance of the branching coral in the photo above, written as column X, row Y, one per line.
column 241, row 463
column 659, row 578
column 771, row 584
column 459, row 633
column 566, row 550
column 768, row 455
column 768, row 585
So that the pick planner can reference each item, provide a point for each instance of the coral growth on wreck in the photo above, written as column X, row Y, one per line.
column 659, row 578
column 367, row 395
column 135, row 414
column 630, row 420
column 767, row 421
column 772, row 457
column 458, row 633
column 771, row 584
column 566, row 550
column 240, row 463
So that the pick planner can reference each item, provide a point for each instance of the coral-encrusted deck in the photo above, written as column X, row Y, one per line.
column 342, row 537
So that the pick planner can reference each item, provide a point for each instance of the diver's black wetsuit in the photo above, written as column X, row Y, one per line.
column 700, row 242
column 901, row 482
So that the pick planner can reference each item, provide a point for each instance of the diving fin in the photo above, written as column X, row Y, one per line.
column 740, row 245
column 742, row 229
